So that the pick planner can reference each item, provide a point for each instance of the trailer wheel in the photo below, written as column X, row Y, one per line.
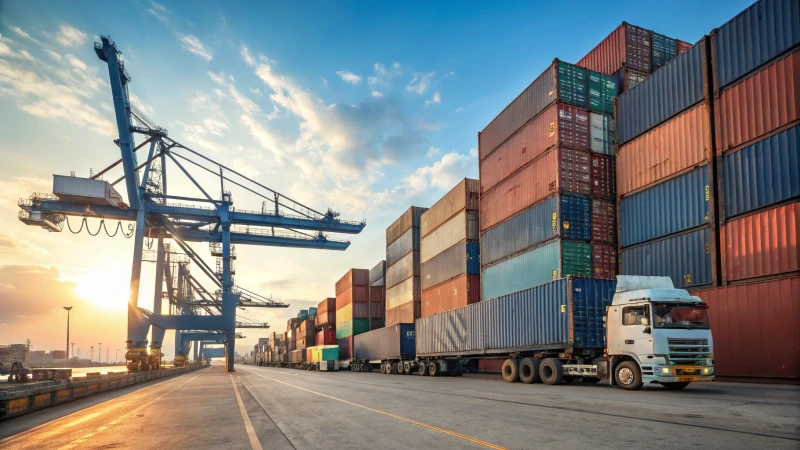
column 433, row 369
column 675, row 386
column 422, row 368
column 628, row 376
column 407, row 367
column 393, row 368
column 551, row 372
column 529, row 370
column 510, row 371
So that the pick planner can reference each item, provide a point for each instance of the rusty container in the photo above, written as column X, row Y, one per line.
column 604, row 261
column 409, row 219
column 604, row 222
column 460, row 291
column 353, row 277
column 602, row 176
column 355, row 294
column 627, row 46
column 406, row 313
column 464, row 196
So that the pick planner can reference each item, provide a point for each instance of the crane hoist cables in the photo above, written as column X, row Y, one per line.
column 85, row 224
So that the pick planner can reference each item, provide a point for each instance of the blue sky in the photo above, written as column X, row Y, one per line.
column 367, row 108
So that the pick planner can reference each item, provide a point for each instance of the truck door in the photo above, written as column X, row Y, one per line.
column 633, row 338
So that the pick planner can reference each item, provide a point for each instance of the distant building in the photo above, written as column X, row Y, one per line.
column 14, row 352
column 58, row 354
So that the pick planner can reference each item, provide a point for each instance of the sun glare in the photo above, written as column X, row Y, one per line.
column 107, row 288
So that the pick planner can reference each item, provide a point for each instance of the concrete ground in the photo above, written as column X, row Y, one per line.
column 273, row 408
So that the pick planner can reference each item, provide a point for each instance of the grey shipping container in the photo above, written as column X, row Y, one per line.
column 559, row 315
column 407, row 266
column 628, row 79
column 756, row 36
column 465, row 195
column 377, row 272
column 405, row 244
column 392, row 342
column 457, row 260
column 409, row 219
column 379, row 282
column 602, row 131
column 672, row 89
column 409, row 291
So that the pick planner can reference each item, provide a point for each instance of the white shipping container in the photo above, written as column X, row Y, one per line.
column 463, row 226
column 406, row 267
column 96, row 192
column 408, row 291
column 602, row 133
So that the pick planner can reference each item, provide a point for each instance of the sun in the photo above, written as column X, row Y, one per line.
column 106, row 287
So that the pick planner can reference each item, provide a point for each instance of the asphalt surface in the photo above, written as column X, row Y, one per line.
column 274, row 408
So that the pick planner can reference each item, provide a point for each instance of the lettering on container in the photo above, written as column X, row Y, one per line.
column 563, row 308
column 555, row 274
column 555, row 220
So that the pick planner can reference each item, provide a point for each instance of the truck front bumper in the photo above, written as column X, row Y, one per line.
column 680, row 374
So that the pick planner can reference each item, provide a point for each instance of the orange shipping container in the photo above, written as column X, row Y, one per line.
column 559, row 170
column 353, row 277
column 762, row 244
column 558, row 125
column 409, row 219
column 461, row 291
column 465, row 195
column 406, row 313
column 754, row 328
column 357, row 294
column 665, row 151
column 758, row 105
column 627, row 46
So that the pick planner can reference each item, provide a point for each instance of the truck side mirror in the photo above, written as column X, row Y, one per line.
column 646, row 329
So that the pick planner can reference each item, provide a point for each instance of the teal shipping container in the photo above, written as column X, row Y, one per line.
column 329, row 352
column 602, row 92
column 352, row 328
column 551, row 261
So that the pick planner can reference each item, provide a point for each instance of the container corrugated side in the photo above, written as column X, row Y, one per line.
column 685, row 257
column 559, row 216
column 406, row 267
column 555, row 259
column 405, row 313
column 557, row 171
column 409, row 219
column 559, row 125
column 759, row 175
column 352, row 328
column 377, row 302
column 602, row 133
column 462, row 226
column 345, row 348
column 666, row 208
column 75, row 187
column 754, row 37
column 460, row 291
column 326, row 337
column 405, row 292
column 359, row 294
column 402, row 246
column 563, row 314
column 665, row 151
column 459, row 259
column 627, row 46
column 762, row 244
column 602, row 92
column 671, row 90
column 604, row 222
column 604, row 261
column 751, row 325
column 377, row 272
column 392, row 342
column 329, row 304
column 353, row 277
column 759, row 104
column 603, row 174
column 464, row 196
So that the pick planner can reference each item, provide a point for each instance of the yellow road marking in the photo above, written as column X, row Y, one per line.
column 251, row 433
column 405, row 419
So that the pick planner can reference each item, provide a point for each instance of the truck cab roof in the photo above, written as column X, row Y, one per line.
column 655, row 295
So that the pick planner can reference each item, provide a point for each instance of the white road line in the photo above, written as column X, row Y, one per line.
column 251, row 433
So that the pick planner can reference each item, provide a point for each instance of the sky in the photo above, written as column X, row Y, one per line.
column 366, row 108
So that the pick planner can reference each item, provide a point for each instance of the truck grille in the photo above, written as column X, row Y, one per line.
column 688, row 351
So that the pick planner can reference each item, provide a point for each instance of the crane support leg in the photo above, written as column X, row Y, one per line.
column 138, row 326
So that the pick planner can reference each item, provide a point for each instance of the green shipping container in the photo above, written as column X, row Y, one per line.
column 573, row 85
column 352, row 328
column 330, row 352
column 602, row 91
column 555, row 259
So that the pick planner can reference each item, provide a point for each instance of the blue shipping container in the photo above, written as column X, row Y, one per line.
column 564, row 216
column 753, row 38
column 685, row 257
column 457, row 260
column 675, row 205
column 761, row 174
column 562, row 314
column 670, row 90
column 392, row 342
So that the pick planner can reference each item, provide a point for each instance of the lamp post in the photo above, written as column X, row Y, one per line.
column 68, row 308
column 91, row 357
column 73, row 351
column 116, row 356
column 99, row 353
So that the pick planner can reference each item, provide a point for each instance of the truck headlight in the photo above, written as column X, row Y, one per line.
column 708, row 370
column 665, row 370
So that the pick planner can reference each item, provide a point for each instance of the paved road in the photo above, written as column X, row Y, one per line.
column 290, row 409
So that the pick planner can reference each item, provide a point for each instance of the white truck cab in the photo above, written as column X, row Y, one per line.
column 657, row 334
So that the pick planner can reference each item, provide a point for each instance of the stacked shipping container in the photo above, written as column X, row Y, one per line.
column 326, row 322
column 377, row 295
column 352, row 306
column 543, row 161
column 403, row 291
column 449, row 250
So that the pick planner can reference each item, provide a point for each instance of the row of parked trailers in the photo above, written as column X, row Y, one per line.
column 650, row 156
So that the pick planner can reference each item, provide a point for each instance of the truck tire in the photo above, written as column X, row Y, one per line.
column 422, row 368
column 628, row 376
column 551, row 371
column 529, row 371
column 407, row 367
column 433, row 369
column 393, row 368
column 676, row 386
column 400, row 370
column 510, row 371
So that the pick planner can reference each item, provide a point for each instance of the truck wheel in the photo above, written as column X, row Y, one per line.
column 675, row 386
column 400, row 370
column 529, row 371
column 433, row 369
column 628, row 376
column 551, row 372
column 407, row 367
column 510, row 371
column 422, row 368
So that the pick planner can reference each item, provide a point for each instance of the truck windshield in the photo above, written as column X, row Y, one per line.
column 676, row 315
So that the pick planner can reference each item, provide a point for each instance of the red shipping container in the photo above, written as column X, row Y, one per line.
column 604, row 222
column 377, row 301
column 490, row 365
column 325, row 319
column 405, row 313
column 668, row 150
column 353, row 277
column 602, row 176
column 604, row 261
column 627, row 46
column 326, row 337
column 329, row 304
column 559, row 170
column 558, row 125
column 758, row 105
column 683, row 47
column 355, row 294
column 461, row 291
column 754, row 327
column 762, row 244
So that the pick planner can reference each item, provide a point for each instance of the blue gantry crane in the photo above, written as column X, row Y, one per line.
column 171, row 222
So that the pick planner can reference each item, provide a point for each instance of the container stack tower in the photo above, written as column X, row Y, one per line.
column 377, row 295
column 325, row 322
column 352, row 309
column 403, row 291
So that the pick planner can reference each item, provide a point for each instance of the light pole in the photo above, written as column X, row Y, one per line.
column 99, row 353
column 68, row 308
column 116, row 356
column 91, row 357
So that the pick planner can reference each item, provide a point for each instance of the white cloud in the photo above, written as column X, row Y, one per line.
column 53, row 55
column 137, row 102
column 8, row 52
column 420, row 83
column 442, row 174
column 215, row 126
column 255, row 91
column 161, row 17
column 247, row 105
column 433, row 151
column 21, row 33
column 377, row 94
column 431, row 125
column 219, row 93
column 246, row 56
column 69, row 36
column 159, row 6
column 436, row 99
column 382, row 74
column 193, row 45
column 325, row 82
column 349, row 77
